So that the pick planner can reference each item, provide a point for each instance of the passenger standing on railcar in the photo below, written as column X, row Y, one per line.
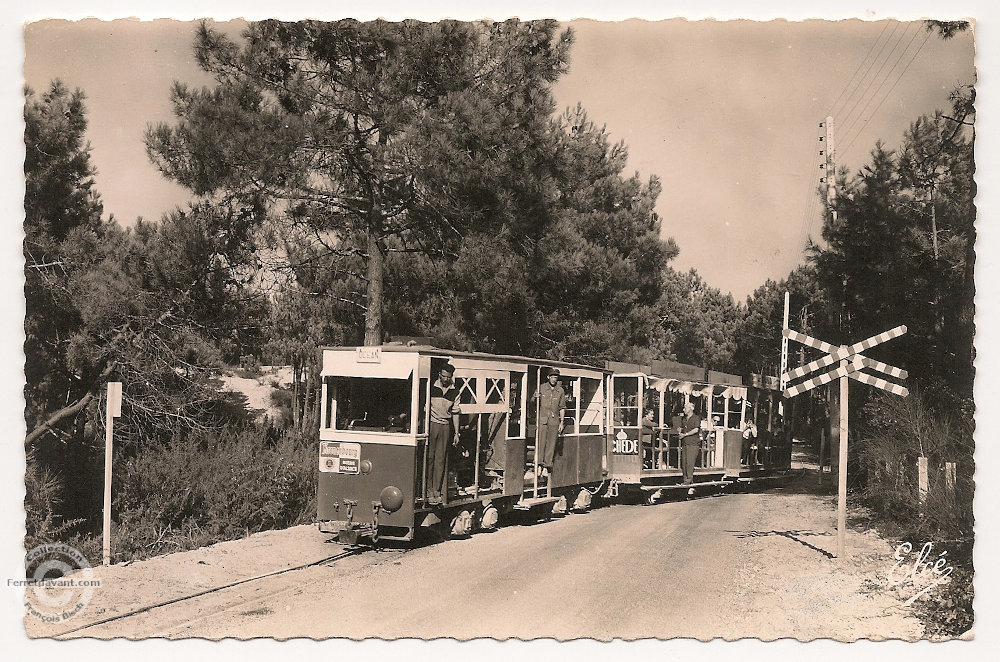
column 646, row 436
column 690, row 436
column 552, row 408
column 444, row 425
column 750, row 443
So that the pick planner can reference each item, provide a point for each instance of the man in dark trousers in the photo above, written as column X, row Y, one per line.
column 444, row 422
column 690, row 436
column 647, row 434
column 551, row 409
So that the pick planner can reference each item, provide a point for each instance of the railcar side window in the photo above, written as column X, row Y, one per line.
column 370, row 404
column 569, row 385
column 735, row 411
column 422, row 404
column 718, row 411
column 591, row 406
column 514, row 400
column 626, row 403
column 466, row 390
column 532, row 413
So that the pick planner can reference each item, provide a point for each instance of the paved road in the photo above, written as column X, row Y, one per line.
column 743, row 565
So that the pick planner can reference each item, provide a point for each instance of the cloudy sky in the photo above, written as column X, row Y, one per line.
column 726, row 114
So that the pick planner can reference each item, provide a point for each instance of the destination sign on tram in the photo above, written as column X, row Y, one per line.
column 339, row 457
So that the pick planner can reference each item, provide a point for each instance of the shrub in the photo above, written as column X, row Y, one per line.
column 898, row 432
column 947, row 610
column 249, row 367
column 42, row 500
column 223, row 485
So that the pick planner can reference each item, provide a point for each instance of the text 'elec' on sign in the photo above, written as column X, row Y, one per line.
column 369, row 355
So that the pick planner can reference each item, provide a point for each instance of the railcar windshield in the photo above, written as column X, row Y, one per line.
column 369, row 404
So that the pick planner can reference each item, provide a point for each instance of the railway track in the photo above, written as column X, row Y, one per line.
column 200, row 606
column 166, row 626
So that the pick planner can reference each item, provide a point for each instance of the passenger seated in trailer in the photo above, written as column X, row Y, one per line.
column 674, row 440
column 461, row 460
column 647, row 435
column 398, row 423
column 749, row 454
column 494, row 452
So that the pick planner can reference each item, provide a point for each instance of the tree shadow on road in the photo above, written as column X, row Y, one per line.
column 793, row 534
column 805, row 481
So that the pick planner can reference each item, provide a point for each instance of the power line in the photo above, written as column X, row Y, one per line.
column 865, row 96
column 912, row 58
column 809, row 201
column 888, row 74
column 871, row 48
column 895, row 25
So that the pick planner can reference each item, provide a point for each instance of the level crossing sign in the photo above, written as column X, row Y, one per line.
column 850, row 364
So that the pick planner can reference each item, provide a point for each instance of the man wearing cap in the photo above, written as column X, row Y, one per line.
column 551, row 409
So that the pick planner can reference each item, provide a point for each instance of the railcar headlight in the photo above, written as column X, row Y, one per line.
column 391, row 498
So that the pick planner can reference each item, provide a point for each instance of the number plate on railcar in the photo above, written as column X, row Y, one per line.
column 339, row 457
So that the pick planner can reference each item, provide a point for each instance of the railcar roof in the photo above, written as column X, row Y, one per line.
column 430, row 350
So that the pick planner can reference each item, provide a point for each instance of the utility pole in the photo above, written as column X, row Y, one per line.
column 833, row 393
column 831, row 170
column 784, row 355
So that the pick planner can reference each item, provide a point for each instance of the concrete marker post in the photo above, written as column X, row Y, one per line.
column 113, row 410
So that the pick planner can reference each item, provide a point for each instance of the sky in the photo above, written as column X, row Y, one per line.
column 725, row 114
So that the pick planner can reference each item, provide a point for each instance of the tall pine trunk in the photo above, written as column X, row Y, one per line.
column 376, row 280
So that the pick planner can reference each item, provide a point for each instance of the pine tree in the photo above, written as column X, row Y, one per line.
column 378, row 138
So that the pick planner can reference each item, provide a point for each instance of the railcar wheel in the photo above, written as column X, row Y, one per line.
column 490, row 518
column 462, row 524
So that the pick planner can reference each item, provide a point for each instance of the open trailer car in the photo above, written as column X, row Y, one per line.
column 646, row 402
column 373, row 460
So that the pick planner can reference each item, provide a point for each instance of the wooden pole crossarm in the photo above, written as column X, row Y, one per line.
column 890, row 370
column 825, row 378
column 878, row 382
column 877, row 339
column 838, row 353
column 808, row 341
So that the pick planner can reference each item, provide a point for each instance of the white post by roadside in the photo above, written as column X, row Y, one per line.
column 114, row 410
column 842, row 464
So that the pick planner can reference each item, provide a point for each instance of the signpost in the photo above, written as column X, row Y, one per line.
column 850, row 364
column 114, row 410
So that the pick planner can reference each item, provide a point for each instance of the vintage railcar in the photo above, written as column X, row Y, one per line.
column 373, row 455
column 645, row 406
column 619, row 437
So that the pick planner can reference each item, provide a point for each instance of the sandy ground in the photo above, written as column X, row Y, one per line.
column 258, row 389
column 126, row 587
column 735, row 566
